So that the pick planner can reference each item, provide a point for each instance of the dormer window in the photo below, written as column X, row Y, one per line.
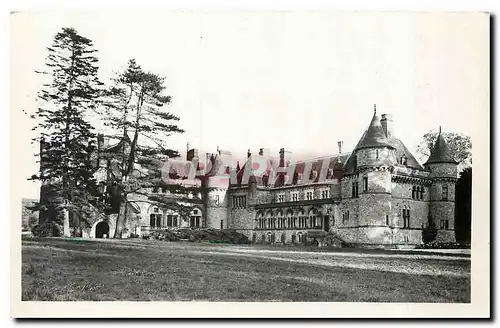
column 404, row 160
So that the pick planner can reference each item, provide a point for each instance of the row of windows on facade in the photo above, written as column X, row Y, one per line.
column 308, row 195
column 289, row 222
column 172, row 221
column 300, row 177
column 158, row 220
column 406, row 218
column 444, row 224
column 417, row 192
column 271, row 238
column 164, row 190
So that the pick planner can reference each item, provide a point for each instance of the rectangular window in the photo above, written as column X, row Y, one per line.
column 221, row 224
column 387, row 220
column 445, row 192
column 365, row 183
column 345, row 217
column 281, row 198
column 406, row 218
column 324, row 193
column 239, row 201
column 309, row 195
column 444, row 224
column 217, row 200
column 355, row 192
column 295, row 196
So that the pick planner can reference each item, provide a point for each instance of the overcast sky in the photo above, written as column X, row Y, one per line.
column 301, row 81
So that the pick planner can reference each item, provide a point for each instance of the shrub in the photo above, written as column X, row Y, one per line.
column 47, row 229
column 429, row 233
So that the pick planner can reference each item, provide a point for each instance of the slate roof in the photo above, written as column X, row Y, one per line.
column 440, row 153
column 374, row 136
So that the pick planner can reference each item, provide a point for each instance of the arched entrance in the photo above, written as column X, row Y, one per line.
column 102, row 229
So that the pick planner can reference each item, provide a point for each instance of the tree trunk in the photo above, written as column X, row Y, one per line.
column 121, row 218
column 66, row 232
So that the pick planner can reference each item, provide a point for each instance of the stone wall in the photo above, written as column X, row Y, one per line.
column 368, row 156
column 217, row 208
column 404, row 190
column 441, row 170
column 443, row 210
column 373, row 209
column 436, row 191
column 419, row 211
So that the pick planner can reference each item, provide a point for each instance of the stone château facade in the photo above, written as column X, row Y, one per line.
column 376, row 195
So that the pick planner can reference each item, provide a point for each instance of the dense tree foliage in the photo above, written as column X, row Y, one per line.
column 459, row 144
column 136, row 110
column 65, row 135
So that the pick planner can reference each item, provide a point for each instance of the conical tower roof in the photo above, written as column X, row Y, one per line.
column 375, row 135
column 440, row 153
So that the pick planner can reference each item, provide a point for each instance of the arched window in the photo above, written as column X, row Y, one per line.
column 267, row 220
column 195, row 218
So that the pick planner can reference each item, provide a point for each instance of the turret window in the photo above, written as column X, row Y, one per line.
column 365, row 183
column 445, row 192
column 345, row 217
column 355, row 189
column 376, row 154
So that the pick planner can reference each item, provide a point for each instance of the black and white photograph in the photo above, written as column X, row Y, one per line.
column 300, row 161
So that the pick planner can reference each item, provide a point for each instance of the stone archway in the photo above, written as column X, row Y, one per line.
column 102, row 230
column 110, row 222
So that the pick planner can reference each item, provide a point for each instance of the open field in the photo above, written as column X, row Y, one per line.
column 140, row 270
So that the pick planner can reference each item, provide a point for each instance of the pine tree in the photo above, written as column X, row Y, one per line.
column 136, row 109
column 65, row 135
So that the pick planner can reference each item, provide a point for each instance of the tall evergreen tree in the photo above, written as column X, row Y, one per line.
column 136, row 109
column 67, row 173
column 463, row 206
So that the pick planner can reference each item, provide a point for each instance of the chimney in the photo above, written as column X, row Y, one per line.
column 387, row 125
column 282, row 157
column 264, row 152
column 192, row 153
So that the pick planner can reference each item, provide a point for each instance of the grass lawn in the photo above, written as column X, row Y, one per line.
column 140, row 270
